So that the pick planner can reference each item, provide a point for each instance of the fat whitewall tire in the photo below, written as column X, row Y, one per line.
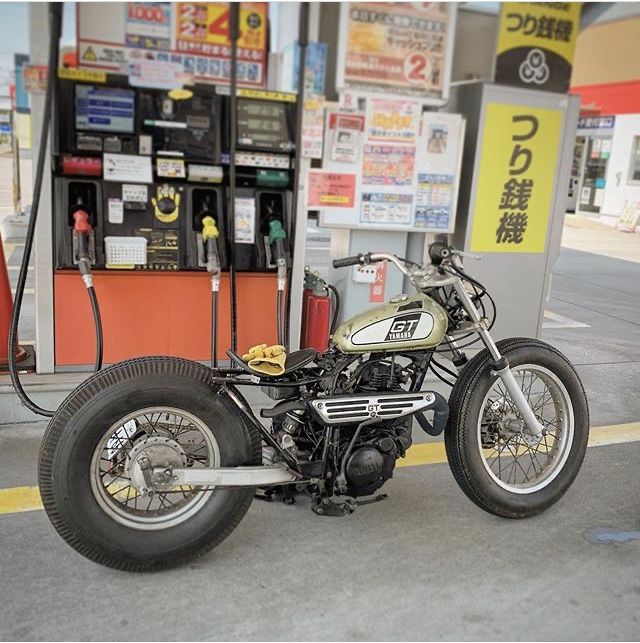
column 462, row 438
column 81, row 422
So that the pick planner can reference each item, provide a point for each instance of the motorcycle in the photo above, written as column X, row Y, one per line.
column 154, row 461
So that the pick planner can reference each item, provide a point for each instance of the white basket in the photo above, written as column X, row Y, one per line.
column 126, row 251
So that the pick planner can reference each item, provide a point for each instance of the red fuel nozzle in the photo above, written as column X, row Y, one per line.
column 81, row 222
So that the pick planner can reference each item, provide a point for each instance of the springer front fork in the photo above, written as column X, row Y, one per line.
column 501, row 365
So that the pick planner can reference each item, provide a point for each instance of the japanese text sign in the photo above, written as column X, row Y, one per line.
column 330, row 190
column 397, row 47
column 193, row 35
column 516, row 180
column 536, row 41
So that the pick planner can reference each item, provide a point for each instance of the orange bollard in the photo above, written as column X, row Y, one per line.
column 6, row 304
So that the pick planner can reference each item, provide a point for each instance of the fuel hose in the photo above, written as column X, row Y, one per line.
column 55, row 26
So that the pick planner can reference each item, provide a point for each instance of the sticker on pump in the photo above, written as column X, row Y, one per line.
column 115, row 211
column 135, row 193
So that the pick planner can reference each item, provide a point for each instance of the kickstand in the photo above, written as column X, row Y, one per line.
column 368, row 501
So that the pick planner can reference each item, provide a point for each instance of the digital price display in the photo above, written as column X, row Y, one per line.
column 263, row 125
column 102, row 109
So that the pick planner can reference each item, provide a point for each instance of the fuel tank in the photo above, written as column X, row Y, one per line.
column 405, row 323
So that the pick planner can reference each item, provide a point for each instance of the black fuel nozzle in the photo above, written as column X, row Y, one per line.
column 210, row 234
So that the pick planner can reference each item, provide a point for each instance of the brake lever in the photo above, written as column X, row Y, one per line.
column 469, row 255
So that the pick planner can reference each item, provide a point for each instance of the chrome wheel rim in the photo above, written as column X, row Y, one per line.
column 516, row 460
column 179, row 432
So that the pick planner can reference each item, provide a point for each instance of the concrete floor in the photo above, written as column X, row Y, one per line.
column 424, row 564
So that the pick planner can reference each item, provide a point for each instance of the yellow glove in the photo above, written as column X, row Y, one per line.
column 268, row 360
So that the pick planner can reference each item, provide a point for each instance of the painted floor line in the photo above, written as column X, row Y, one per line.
column 21, row 499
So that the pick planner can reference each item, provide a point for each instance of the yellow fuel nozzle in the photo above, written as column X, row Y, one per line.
column 209, row 229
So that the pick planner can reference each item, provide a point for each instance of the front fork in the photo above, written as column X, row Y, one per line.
column 501, row 365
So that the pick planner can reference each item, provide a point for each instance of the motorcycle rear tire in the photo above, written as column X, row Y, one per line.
column 81, row 422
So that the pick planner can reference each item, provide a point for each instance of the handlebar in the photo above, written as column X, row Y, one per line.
column 358, row 260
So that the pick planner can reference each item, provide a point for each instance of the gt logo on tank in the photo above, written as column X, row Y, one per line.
column 403, row 328
column 408, row 327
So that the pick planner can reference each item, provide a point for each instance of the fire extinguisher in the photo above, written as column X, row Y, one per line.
column 317, row 323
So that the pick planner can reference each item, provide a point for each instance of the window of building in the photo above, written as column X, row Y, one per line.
column 634, row 169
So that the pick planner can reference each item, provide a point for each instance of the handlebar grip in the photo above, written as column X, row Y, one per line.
column 349, row 261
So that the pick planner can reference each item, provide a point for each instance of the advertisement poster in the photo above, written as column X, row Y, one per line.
column 148, row 25
column 313, row 127
column 392, row 121
column 516, row 180
column 193, row 35
column 438, row 151
column 434, row 200
column 345, row 136
column 386, row 208
column 245, row 220
column 536, row 42
column 330, row 190
column 155, row 74
column 388, row 165
column 6, row 131
column 401, row 48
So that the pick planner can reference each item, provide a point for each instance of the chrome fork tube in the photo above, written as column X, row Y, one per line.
column 502, row 369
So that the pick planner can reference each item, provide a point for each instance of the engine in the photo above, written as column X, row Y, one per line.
column 373, row 458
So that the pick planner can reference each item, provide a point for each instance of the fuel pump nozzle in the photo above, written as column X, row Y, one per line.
column 82, row 230
column 210, row 234
column 277, row 236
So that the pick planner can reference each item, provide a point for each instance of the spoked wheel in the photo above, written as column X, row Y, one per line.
column 157, row 436
column 497, row 462
column 516, row 460
column 128, row 419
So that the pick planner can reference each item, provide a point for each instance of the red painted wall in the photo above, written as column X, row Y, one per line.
column 609, row 98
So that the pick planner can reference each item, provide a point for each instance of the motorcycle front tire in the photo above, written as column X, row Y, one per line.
column 463, row 439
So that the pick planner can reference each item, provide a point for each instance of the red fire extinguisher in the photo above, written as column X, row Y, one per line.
column 317, row 324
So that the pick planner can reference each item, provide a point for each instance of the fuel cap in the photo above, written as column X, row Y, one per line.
column 397, row 299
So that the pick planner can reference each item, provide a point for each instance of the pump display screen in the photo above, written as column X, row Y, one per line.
column 263, row 125
column 103, row 109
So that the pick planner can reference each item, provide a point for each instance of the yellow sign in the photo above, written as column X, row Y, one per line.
column 267, row 95
column 202, row 23
column 85, row 75
column 513, row 203
column 536, row 41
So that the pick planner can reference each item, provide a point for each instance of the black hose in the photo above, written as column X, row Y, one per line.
column 336, row 307
column 279, row 318
column 95, row 309
column 214, row 329
column 234, row 33
column 55, row 25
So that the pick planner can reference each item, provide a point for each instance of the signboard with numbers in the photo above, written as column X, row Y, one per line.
column 193, row 35
column 400, row 48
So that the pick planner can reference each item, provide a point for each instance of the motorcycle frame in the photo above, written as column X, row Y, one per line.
column 290, row 471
